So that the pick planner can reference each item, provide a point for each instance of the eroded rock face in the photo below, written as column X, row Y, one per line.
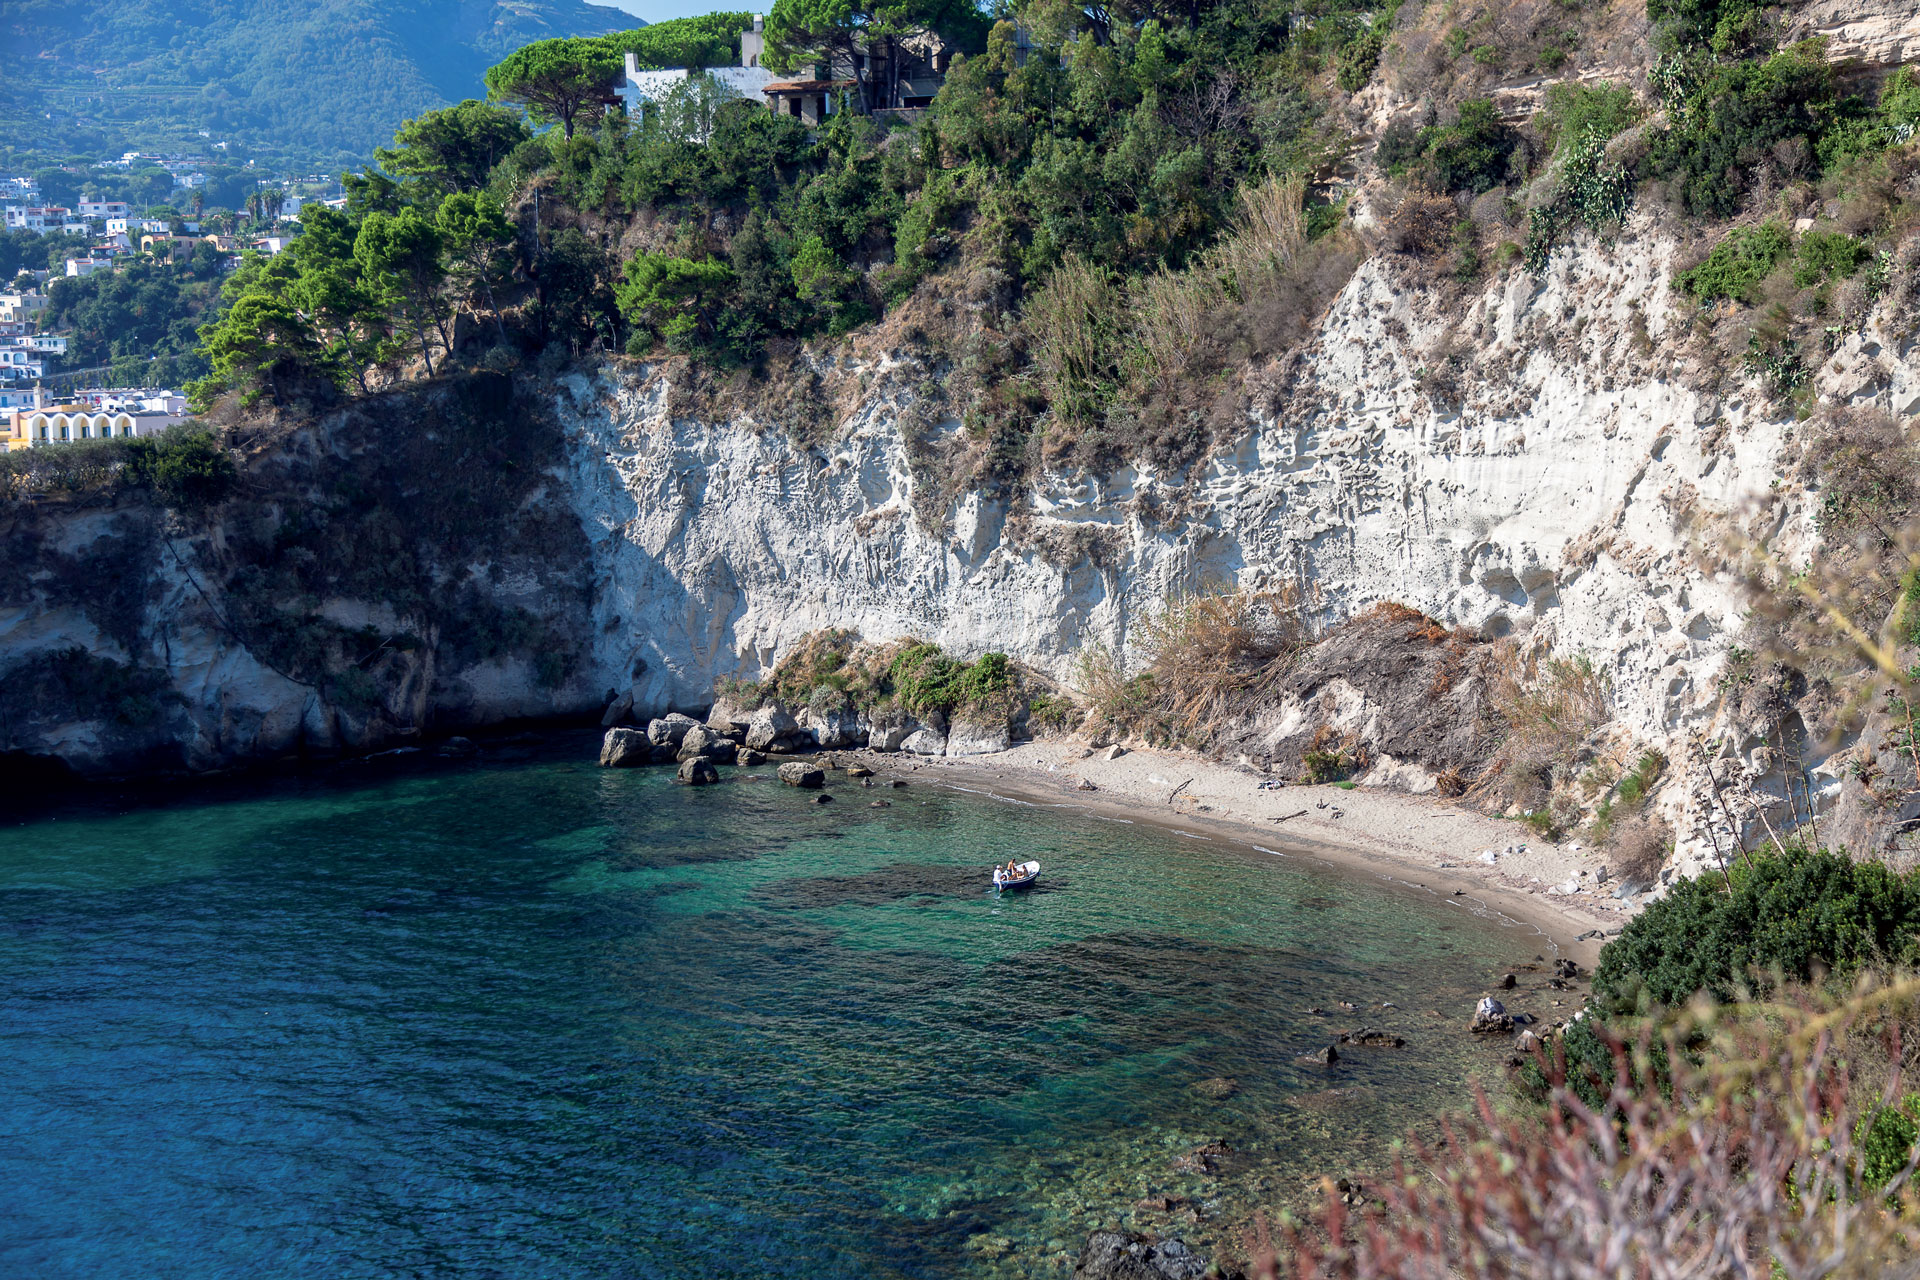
column 625, row 748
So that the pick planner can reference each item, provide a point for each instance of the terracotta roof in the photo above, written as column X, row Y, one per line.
column 806, row 86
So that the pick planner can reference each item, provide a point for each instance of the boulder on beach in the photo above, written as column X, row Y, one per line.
column 925, row 742
column 798, row 773
column 625, row 748
column 859, row 771
column 770, row 727
column 969, row 737
column 1128, row 1255
column 1490, row 1017
column 888, row 737
column 697, row 771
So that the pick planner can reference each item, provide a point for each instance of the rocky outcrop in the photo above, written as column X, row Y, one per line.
column 1127, row 1255
column 700, row 741
column 1397, row 698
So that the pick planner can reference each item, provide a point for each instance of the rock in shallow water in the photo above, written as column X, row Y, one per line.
column 625, row 748
column 697, row 771
column 798, row 773
column 1127, row 1255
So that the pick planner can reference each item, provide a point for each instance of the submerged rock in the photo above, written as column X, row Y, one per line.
column 1322, row 1057
column 798, row 773
column 1128, row 1255
column 1373, row 1038
column 1217, row 1087
column 697, row 771
column 625, row 748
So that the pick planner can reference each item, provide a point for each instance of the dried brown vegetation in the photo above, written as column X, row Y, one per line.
column 1779, row 1150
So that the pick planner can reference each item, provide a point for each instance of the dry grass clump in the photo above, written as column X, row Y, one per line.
column 1783, row 1147
column 1127, row 369
column 1855, row 605
column 1551, row 707
column 1210, row 654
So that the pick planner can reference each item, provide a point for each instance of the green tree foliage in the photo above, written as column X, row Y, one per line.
column 556, row 80
column 709, row 40
column 260, row 346
column 401, row 252
column 799, row 32
column 454, row 149
column 145, row 309
column 474, row 235
column 676, row 300
column 1798, row 914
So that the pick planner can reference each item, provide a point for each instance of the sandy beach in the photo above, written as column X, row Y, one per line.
column 1554, row 891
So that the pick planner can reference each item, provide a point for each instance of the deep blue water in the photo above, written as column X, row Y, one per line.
column 536, row 1019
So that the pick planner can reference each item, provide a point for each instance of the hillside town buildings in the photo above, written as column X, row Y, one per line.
column 905, row 79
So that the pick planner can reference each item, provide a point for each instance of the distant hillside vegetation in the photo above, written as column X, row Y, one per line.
column 323, row 82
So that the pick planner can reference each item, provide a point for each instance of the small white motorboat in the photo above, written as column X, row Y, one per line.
column 1029, row 872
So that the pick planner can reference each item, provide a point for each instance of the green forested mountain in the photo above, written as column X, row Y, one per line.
column 323, row 82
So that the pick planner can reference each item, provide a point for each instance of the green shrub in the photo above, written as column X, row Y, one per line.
column 1885, row 1139
column 1794, row 913
column 1829, row 255
column 1738, row 264
column 1737, row 115
column 1358, row 58
column 926, row 680
column 188, row 469
column 1470, row 154
column 1574, row 110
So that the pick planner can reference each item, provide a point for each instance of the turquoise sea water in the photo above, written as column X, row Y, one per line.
column 536, row 1019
